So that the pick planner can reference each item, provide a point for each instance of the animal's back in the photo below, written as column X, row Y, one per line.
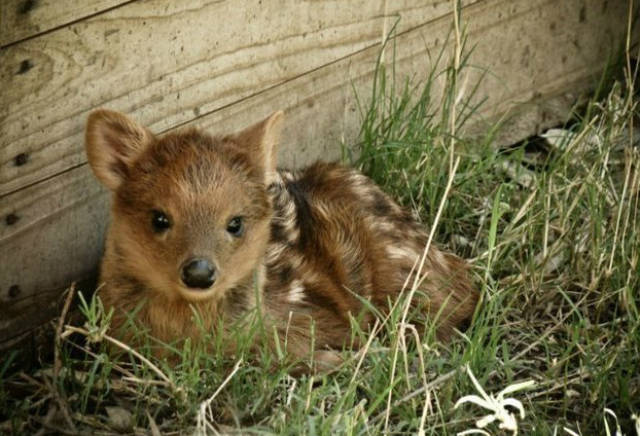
column 337, row 238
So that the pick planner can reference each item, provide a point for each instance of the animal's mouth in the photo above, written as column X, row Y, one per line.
column 195, row 295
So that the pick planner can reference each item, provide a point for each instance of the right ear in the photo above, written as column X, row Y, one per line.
column 113, row 142
column 261, row 141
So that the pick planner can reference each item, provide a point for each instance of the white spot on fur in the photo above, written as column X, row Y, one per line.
column 289, row 222
column 438, row 257
column 296, row 292
column 383, row 226
column 286, row 212
column 274, row 251
column 359, row 180
column 401, row 253
column 286, row 175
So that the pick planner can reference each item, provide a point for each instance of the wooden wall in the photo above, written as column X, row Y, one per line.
column 221, row 64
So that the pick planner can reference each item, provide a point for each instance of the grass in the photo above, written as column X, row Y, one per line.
column 552, row 233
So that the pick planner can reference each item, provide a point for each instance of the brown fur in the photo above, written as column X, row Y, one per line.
column 313, row 238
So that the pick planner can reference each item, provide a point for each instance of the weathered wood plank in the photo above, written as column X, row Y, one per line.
column 60, row 226
column 167, row 63
column 20, row 19
column 26, row 313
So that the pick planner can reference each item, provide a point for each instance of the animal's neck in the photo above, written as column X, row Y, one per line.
column 173, row 318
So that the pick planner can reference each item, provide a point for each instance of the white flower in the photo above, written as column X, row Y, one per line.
column 636, row 421
column 606, row 424
column 635, row 418
column 497, row 404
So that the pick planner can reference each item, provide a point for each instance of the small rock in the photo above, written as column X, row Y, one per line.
column 119, row 418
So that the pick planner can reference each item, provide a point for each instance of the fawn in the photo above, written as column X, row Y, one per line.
column 208, row 223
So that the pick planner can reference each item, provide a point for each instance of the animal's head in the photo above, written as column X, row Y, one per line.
column 190, row 212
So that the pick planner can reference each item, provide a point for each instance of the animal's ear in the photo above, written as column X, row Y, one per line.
column 261, row 142
column 113, row 142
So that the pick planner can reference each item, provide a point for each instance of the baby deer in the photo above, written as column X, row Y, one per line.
column 208, row 223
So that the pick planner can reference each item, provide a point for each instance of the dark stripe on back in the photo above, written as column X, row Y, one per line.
column 304, row 217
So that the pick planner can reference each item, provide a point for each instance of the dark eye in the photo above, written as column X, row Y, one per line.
column 160, row 221
column 236, row 226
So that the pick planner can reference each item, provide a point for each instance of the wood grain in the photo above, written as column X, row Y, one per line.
column 21, row 19
column 57, row 225
column 167, row 63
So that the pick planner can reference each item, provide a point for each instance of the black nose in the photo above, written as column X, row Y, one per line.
column 198, row 273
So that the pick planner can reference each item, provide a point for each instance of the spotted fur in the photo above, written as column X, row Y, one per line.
column 316, row 241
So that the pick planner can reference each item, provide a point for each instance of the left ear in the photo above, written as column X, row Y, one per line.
column 261, row 142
